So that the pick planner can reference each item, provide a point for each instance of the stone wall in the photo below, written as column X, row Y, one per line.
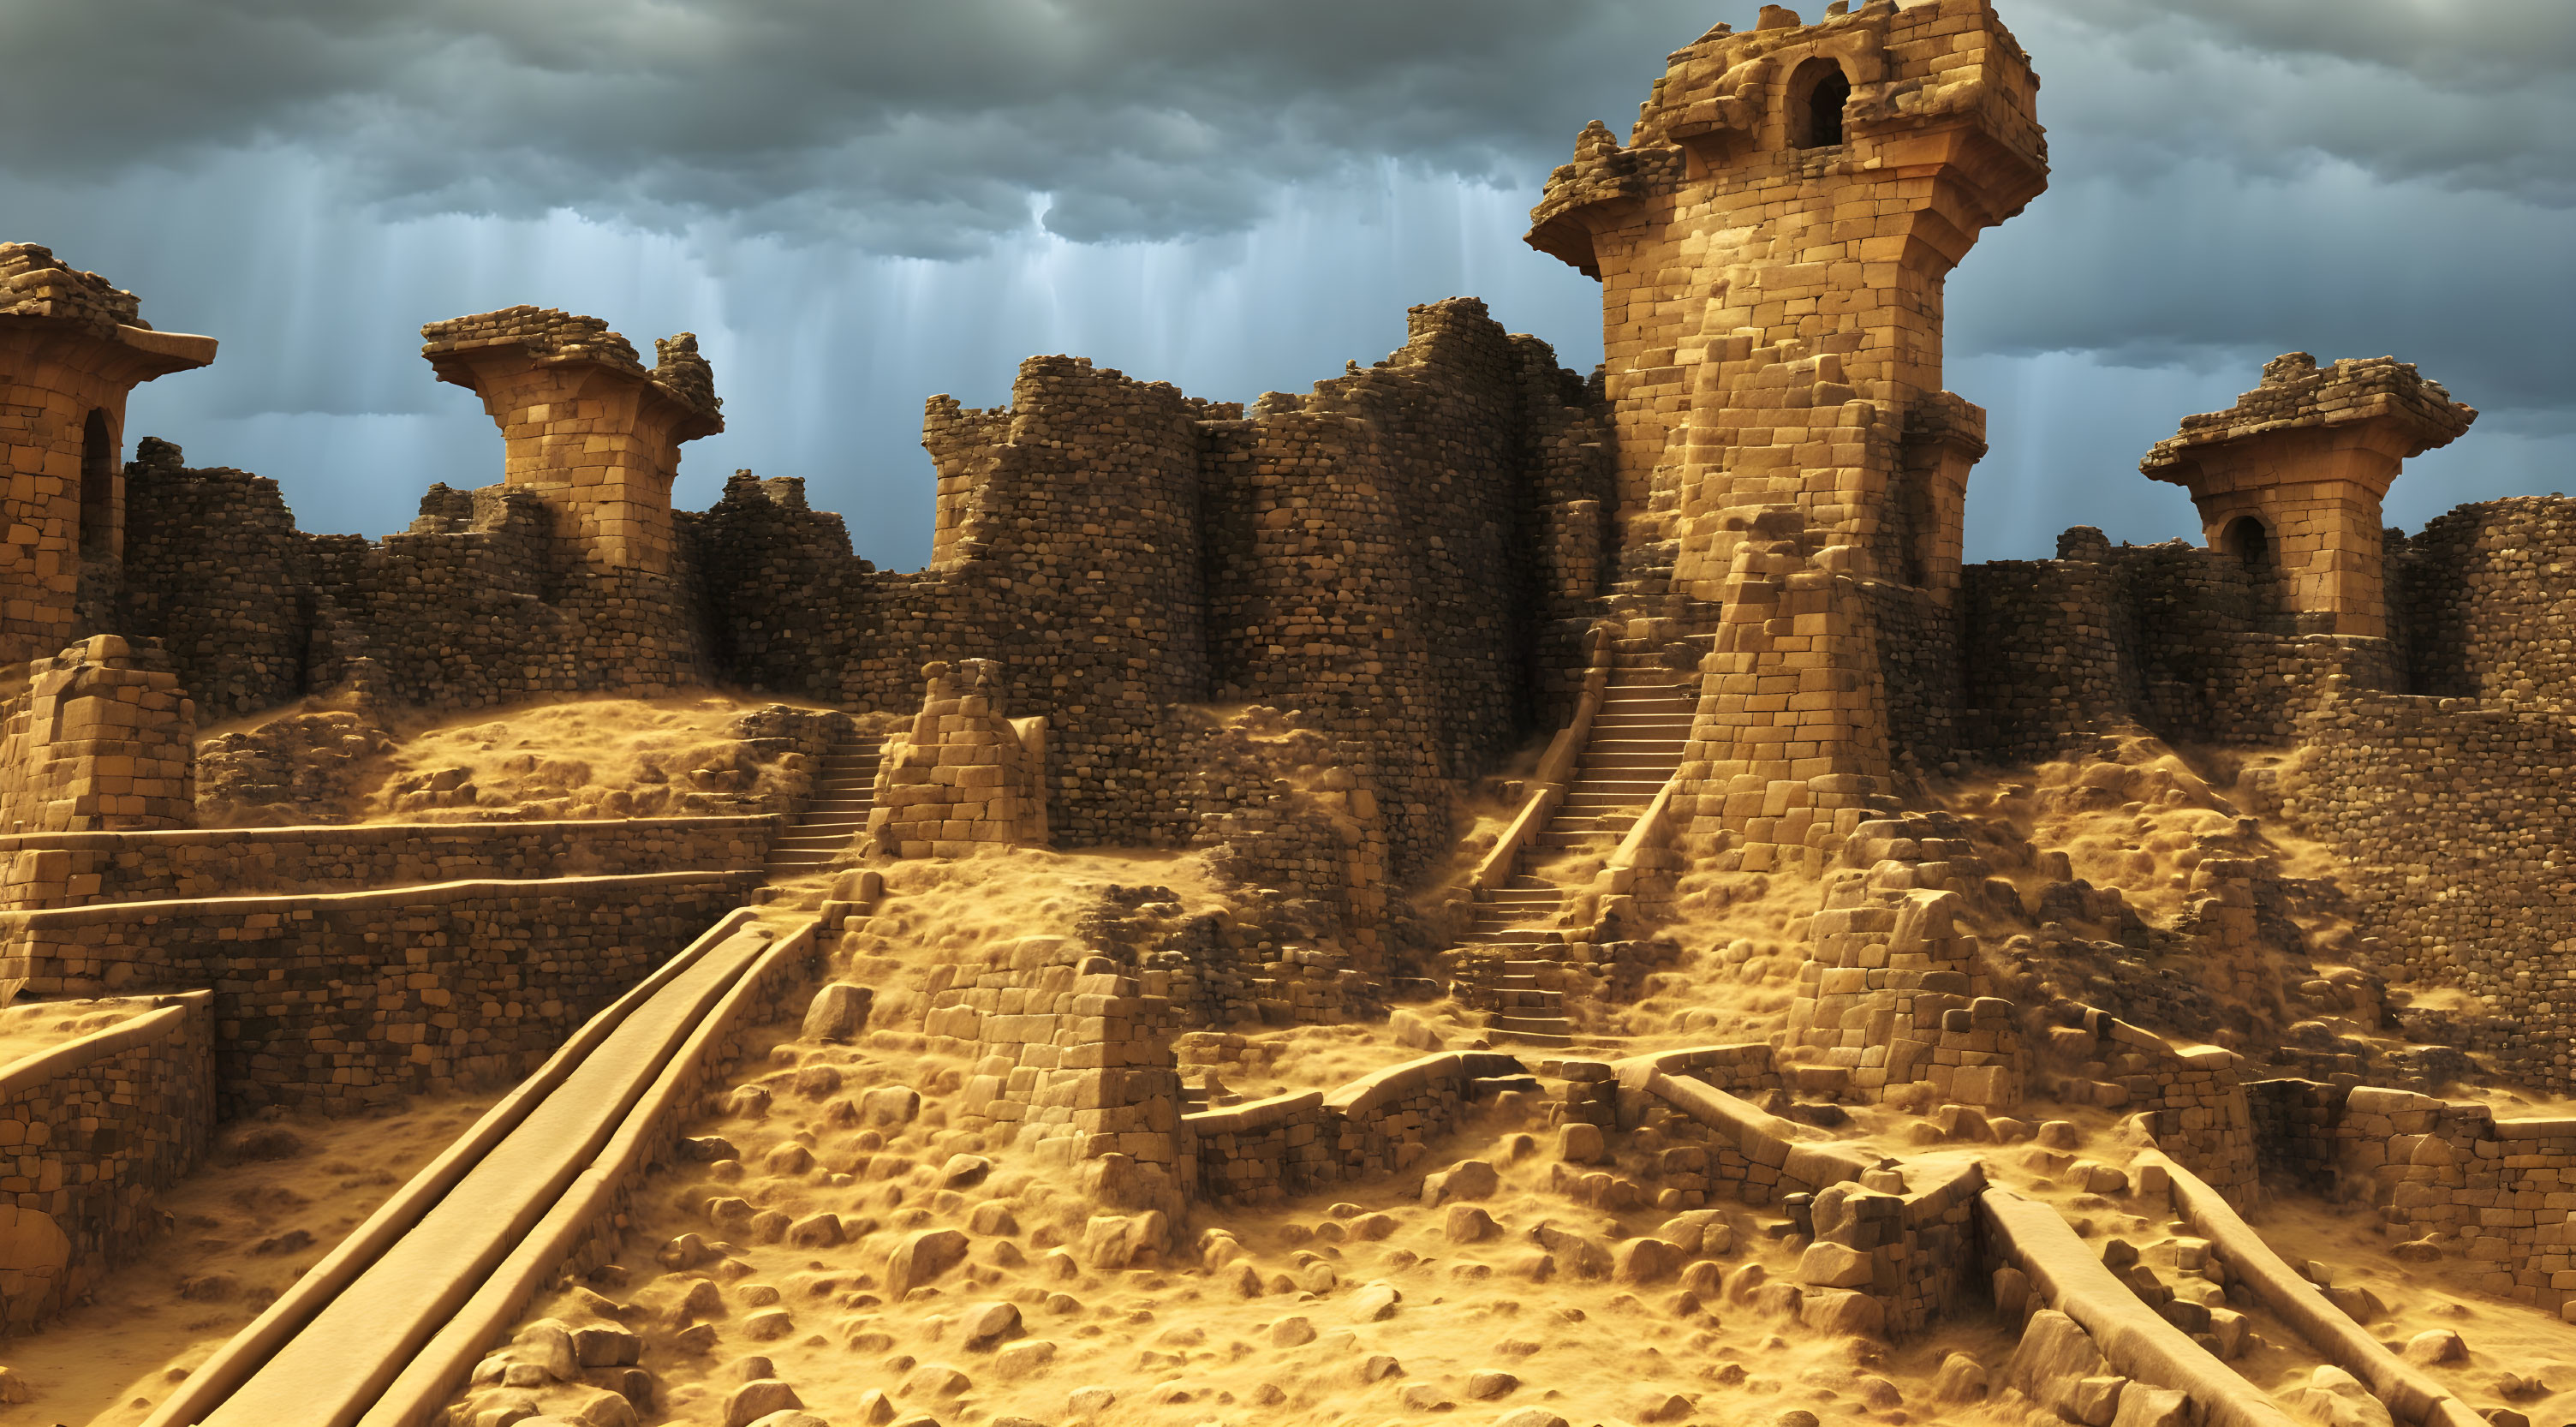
column 2452, row 817
column 2484, row 596
column 101, row 738
column 2454, row 1181
column 90, row 1132
column 1358, row 555
column 336, row 1002
column 1287, row 1145
column 216, row 570
column 39, row 870
column 2189, row 644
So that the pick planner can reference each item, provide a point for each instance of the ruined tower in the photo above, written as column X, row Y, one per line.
column 1772, row 244
column 2290, row 478
column 588, row 428
column 71, row 349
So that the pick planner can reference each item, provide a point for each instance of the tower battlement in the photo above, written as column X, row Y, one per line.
column 1771, row 245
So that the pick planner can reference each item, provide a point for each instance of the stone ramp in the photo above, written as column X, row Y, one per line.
column 386, row 1326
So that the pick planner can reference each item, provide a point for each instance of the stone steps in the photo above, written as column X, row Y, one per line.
column 834, row 813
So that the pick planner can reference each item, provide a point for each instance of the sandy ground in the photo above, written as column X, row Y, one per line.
column 1358, row 1305
column 274, row 1199
column 586, row 758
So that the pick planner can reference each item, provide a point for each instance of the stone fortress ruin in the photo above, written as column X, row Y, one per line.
column 1660, row 881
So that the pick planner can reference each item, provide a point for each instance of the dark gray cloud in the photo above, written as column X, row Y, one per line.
column 907, row 127
column 1232, row 196
column 911, row 127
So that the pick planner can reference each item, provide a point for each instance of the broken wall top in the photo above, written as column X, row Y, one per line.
column 549, row 336
column 34, row 283
column 2298, row 394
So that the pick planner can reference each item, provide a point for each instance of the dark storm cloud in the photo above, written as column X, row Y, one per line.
column 916, row 127
column 910, row 127
column 1253, row 191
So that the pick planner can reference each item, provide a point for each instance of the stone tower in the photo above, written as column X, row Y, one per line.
column 1772, row 244
column 71, row 349
column 2290, row 478
column 587, row 428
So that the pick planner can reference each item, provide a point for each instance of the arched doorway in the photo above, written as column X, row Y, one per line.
column 1817, row 93
column 98, row 487
column 2247, row 540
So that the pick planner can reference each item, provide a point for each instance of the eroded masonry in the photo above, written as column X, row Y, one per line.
column 1514, row 725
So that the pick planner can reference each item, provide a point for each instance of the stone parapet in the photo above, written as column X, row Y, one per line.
column 91, row 1131
column 64, row 869
column 339, row 1001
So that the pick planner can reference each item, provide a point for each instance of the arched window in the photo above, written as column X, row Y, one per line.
column 97, row 487
column 1817, row 92
column 2247, row 540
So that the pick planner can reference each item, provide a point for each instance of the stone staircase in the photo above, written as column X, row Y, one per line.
column 1636, row 743
column 835, row 812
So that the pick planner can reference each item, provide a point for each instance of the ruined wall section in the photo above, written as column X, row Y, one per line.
column 1119, row 549
column 2485, row 596
column 216, row 570
column 101, row 739
column 1072, row 561
column 1365, row 560
column 2187, row 643
column 2454, row 819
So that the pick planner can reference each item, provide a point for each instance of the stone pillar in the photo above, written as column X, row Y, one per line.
column 103, row 740
column 2290, row 478
column 1772, row 264
column 1788, row 751
column 587, row 427
column 71, row 349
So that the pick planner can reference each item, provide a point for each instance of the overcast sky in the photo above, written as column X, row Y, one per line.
column 858, row 203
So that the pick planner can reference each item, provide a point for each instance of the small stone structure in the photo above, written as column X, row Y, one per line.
column 102, row 739
column 71, row 349
column 965, row 776
column 589, row 430
column 2289, row 479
